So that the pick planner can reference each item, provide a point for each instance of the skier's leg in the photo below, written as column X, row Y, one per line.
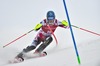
column 29, row 48
column 44, row 44
column 25, row 50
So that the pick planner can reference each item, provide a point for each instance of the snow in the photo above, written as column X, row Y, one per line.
column 19, row 16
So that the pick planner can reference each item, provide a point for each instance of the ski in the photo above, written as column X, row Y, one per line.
column 26, row 57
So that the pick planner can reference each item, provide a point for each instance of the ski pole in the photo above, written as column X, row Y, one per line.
column 86, row 30
column 78, row 58
column 17, row 38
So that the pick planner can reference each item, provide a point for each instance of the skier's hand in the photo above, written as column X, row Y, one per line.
column 37, row 27
column 65, row 23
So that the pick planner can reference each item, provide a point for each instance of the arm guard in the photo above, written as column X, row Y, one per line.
column 65, row 23
column 37, row 27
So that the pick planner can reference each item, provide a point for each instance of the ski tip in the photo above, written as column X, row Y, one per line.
column 16, row 60
column 45, row 53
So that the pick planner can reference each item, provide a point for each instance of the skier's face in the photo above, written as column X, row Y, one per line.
column 51, row 22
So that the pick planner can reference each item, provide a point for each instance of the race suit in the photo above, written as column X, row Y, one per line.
column 44, row 35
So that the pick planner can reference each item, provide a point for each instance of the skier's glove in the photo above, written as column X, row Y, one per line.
column 65, row 23
column 37, row 27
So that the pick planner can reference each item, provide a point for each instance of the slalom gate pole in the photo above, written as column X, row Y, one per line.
column 78, row 58
column 86, row 30
column 18, row 38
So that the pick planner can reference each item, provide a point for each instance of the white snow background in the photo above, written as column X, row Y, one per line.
column 20, row 16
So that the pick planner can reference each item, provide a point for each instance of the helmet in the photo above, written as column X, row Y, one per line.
column 50, row 15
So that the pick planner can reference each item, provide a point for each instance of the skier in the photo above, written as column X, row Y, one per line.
column 44, row 34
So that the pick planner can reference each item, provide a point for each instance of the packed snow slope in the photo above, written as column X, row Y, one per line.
column 20, row 16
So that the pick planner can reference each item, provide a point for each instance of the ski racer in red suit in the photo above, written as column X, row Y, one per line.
column 44, row 34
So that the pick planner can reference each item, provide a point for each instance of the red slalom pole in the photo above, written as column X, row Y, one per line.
column 18, row 38
column 53, row 34
column 86, row 30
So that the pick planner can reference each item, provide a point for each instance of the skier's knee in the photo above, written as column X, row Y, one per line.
column 48, row 40
column 36, row 42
